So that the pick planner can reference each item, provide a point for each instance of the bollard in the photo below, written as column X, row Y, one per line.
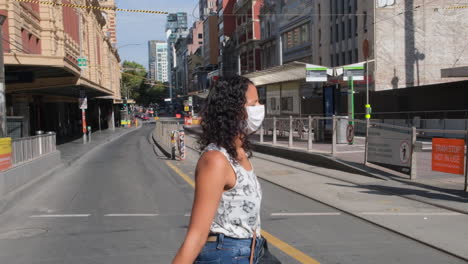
column 274, row 130
column 413, row 173
column 366, row 150
column 261, row 134
column 291, row 132
column 89, row 133
column 173, row 147
column 333, row 135
column 182, row 144
column 466, row 162
column 309, row 141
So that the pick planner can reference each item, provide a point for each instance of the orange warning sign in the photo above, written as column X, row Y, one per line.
column 448, row 155
column 5, row 154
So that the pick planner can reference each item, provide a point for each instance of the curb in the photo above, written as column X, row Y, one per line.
column 10, row 199
column 367, row 220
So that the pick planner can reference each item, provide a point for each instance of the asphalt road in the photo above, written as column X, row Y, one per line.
column 123, row 204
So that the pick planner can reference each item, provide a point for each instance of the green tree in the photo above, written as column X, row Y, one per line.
column 133, row 77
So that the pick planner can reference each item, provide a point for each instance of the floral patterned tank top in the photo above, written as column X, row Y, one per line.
column 239, row 208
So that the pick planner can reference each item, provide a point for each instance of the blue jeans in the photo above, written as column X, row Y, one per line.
column 229, row 250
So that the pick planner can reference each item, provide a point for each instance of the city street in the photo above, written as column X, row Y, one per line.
column 123, row 204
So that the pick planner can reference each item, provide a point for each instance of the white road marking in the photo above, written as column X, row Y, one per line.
column 304, row 214
column 132, row 215
column 60, row 216
column 412, row 214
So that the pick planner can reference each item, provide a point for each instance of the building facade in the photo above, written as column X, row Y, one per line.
column 176, row 27
column 110, row 16
column 248, row 34
column 226, row 30
column 206, row 8
column 42, row 44
column 157, row 56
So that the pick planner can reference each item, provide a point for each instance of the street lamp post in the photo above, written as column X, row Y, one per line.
column 3, row 128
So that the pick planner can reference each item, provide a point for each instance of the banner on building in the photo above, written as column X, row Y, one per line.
column 5, row 154
column 448, row 155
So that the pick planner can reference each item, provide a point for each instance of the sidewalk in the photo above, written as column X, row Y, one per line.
column 384, row 203
column 353, row 155
column 401, row 208
column 74, row 150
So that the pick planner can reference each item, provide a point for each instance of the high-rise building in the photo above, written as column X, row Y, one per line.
column 176, row 27
column 157, row 54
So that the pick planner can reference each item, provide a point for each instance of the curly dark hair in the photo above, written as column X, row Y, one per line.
column 224, row 115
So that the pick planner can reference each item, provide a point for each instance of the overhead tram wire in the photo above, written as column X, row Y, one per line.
column 94, row 7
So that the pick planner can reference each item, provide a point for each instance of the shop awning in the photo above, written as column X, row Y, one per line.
column 284, row 73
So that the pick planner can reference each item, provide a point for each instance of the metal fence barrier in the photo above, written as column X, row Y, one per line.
column 29, row 148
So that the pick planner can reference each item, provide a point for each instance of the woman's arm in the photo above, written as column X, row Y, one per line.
column 211, row 177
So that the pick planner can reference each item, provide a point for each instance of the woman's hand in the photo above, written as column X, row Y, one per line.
column 212, row 175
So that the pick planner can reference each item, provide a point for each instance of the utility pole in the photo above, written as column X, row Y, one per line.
column 3, row 128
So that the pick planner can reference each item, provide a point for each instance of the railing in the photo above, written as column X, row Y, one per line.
column 405, row 148
column 29, row 148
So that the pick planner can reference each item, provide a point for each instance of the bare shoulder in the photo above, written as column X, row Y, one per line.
column 213, row 160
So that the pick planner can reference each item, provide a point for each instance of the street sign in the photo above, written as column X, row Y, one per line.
column 83, row 103
column 190, row 100
column 83, row 62
column 186, row 108
column 356, row 71
column 350, row 133
column 315, row 73
column 448, row 155
column 167, row 100
column 390, row 147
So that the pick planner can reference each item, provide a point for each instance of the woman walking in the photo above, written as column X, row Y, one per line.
column 225, row 220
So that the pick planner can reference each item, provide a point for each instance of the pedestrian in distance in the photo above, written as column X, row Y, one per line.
column 225, row 221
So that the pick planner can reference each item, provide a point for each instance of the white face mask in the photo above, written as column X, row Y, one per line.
column 255, row 116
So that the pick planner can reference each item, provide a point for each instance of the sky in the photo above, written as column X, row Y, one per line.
column 139, row 28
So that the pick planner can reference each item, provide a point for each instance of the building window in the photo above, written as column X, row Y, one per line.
column 343, row 31
column 320, row 37
column 273, row 104
column 365, row 22
column 337, row 33
column 350, row 28
column 343, row 58
column 296, row 37
column 350, row 56
column 356, row 55
column 200, row 35
column 304, row 33
column 287, row 104
column 331, row 35
column 331, row 10
column 355, row 26
column 200, row 42
column 319, row 12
